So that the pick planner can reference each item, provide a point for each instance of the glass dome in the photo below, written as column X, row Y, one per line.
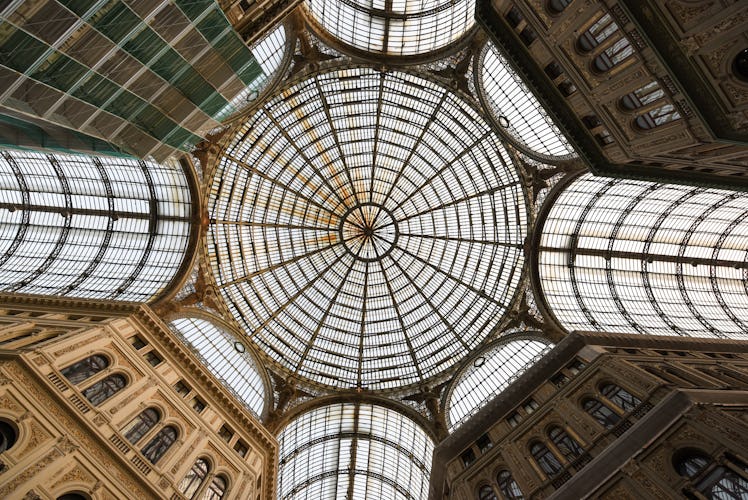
column 366, row 228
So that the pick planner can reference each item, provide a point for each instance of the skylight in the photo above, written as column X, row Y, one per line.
column 489, row 374
column 399, row 27
column 516, row 110
column 349, row 450
column 95, row 227
column 227, row 358
column 366, row 229
column 640, row 257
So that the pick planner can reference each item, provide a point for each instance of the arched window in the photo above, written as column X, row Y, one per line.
column 545, row 459
column 8, row 436
column 620, row 397
column 613, row 55
column 566, row 444
column 690, row 463
column 598, row 33
column 486, row 493
column 508, row 486
column 604, row 415
column 642, row 96
column 140, row 425
column 194, row 478
column 104, row 389
column 558, row 6
column 160, row 444
column 85, row 368
column 710, row 478
column 217, row 489
column 73, row 496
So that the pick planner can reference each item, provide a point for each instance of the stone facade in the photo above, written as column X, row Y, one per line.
column 65, row 443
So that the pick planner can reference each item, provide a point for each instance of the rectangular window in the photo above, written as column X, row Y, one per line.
column 484, row 443
column 575, row 367
column 182, row 388
column 241, row 448
column 530, row 406
column 468, row 457
column 514, row 419
column 226, row 433
column 198, row 405
column 559, row 380
column 137, row 342
column 152, row 358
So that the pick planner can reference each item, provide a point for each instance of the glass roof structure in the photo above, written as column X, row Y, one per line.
column 227, row 358
column 366, row 228
column 269, row 53
column 367, row 225
column 395, row 28
column 641, row 257
column 516, row 110
column 349, row 450
column 94, row 227
column 490, row 373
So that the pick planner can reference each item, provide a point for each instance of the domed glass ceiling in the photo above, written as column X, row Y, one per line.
column 399, row 27
column 366, row 228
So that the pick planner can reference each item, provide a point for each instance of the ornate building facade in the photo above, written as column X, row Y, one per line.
column 446, row 249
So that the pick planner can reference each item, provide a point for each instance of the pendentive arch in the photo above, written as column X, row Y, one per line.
column 228, row 355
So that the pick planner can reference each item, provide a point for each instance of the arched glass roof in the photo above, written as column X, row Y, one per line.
column 82, row 226
column 227, row 359
column 399, row 27
column 641, row 257
column 349, row 450
column 489, row 374
column 269, row 53
column 516, row 109
column 366, row 229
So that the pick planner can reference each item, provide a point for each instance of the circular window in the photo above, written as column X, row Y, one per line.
column 740, row 65
column 8, row 435
column 371, row 228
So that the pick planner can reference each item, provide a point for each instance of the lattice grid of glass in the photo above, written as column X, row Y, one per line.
column 641, row 257
column 366, row 228
column 74, row 225
column 226, row 358
column 516, row 108
column 347, row 450
column 489, row 374
column 401, row 27
column 268, row 53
